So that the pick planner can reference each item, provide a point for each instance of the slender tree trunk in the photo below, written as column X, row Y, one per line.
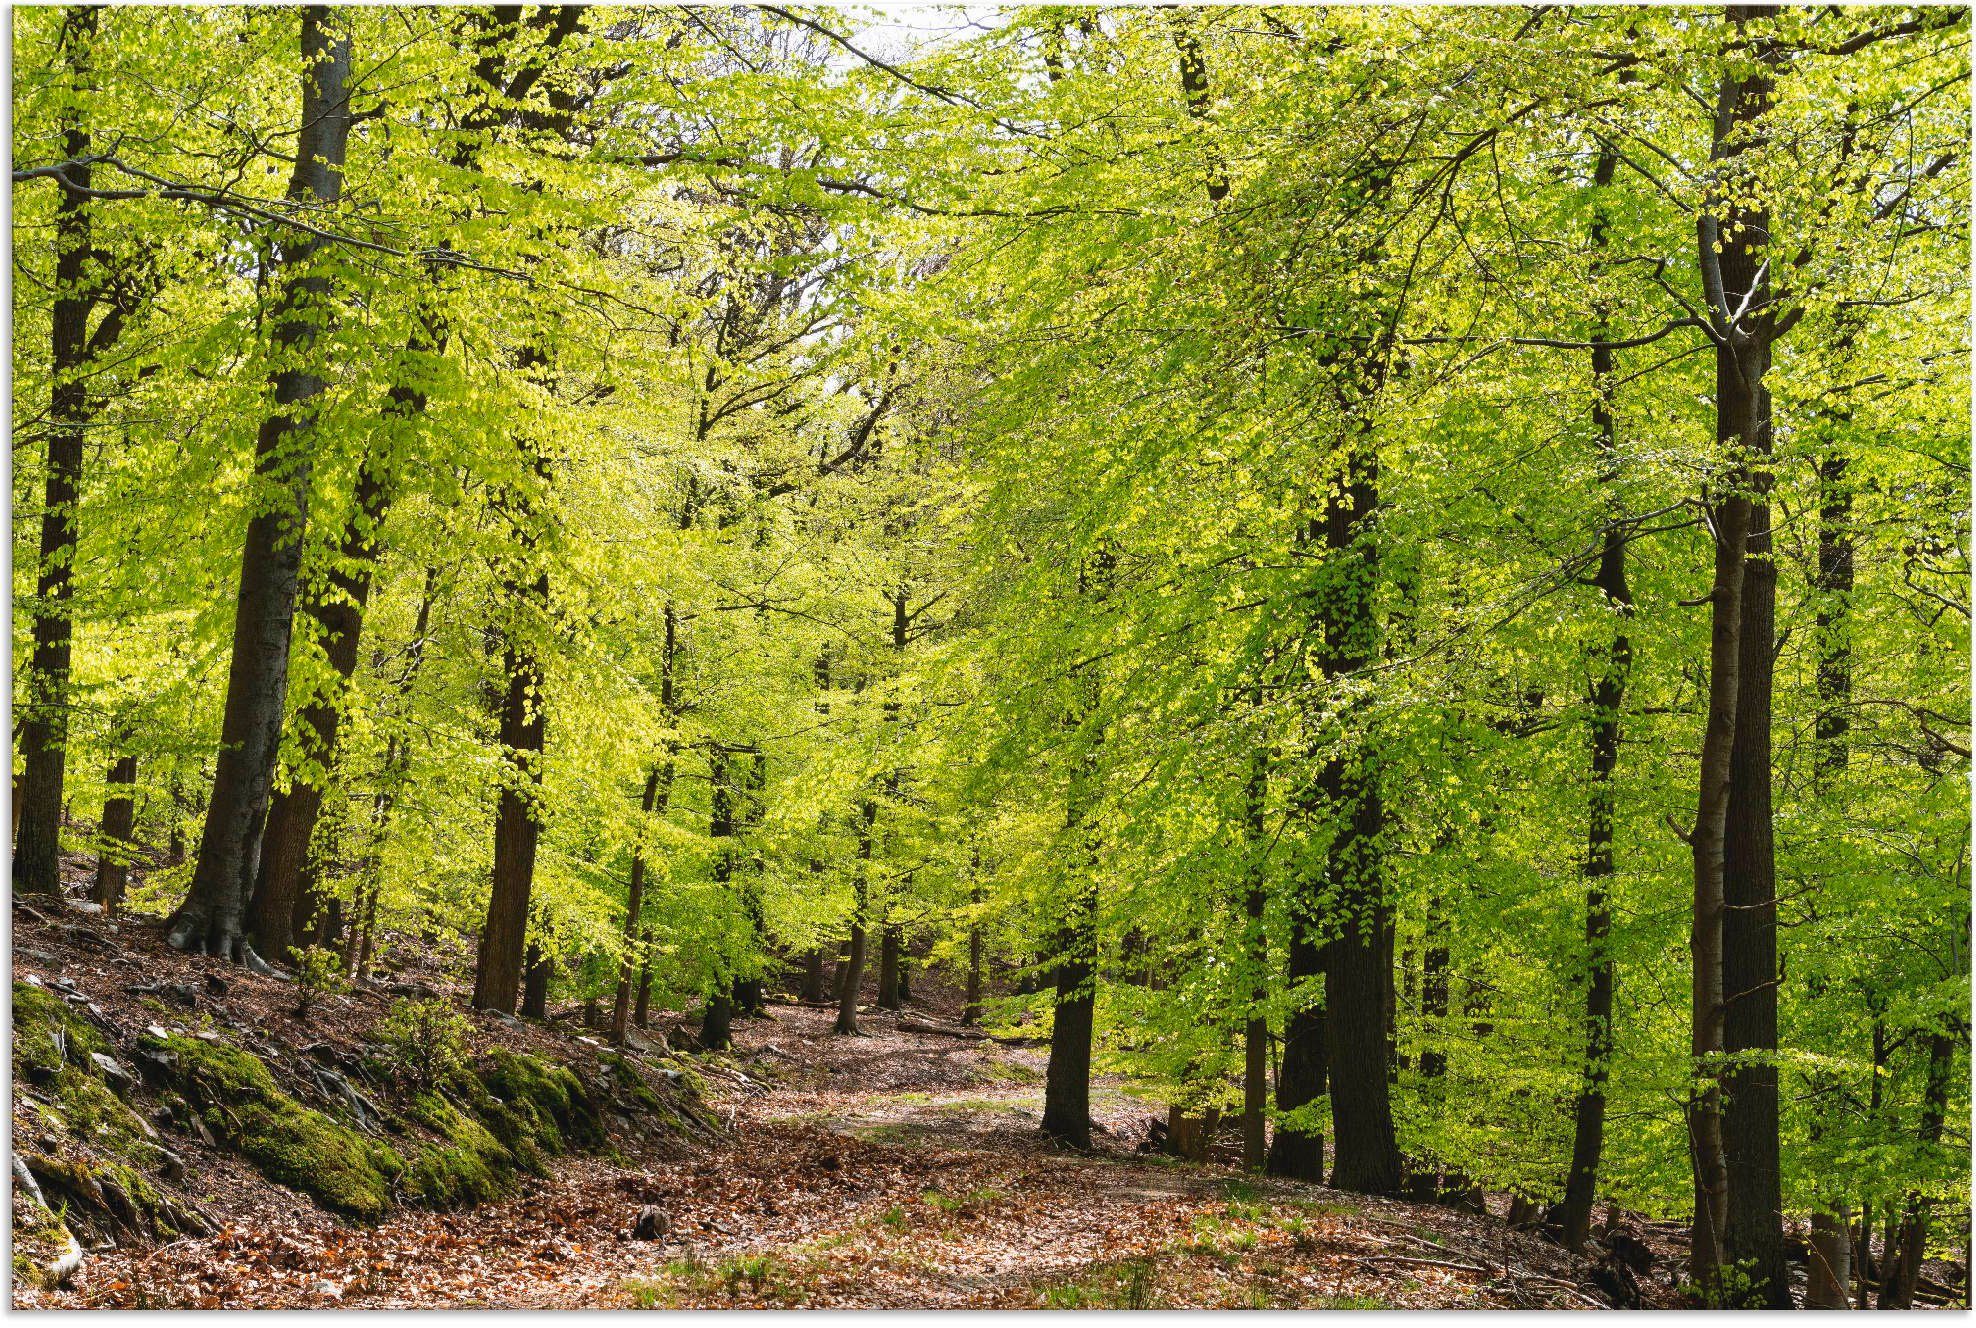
column 535, row 982
column 1067, row 1078
column 641, row 1015
column 1255, row 897
column 212, row 918
column 518, row 818
column 1907, row 1247
column 971, row 1012
column 813, row 985
column 716, row 1023
column 1829, row 1270
column 634, row 916
column 888, row 966
column 336, row 603
column 1608, row 697
column 119, row 812
column 1357, row 962
column 851, row 975
column 44, row 719
column 1732, row 238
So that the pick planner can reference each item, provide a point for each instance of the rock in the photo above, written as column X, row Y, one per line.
column 215, row 985
column 652, row 1224
column 120, row 1080
column 170, row 1165
column 155, row 1063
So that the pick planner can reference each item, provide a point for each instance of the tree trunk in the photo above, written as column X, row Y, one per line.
column 212, row 918
column 1067, row 1079
column 535, row 982
column 517, row 823
column 1297, row 1151
column 1829, row 1270
column 1734, row 277
column 113, row 860
column 336, row 603
column 44, row 719
column 813, row 987
column 1607, row 699
column 1255, row 897
column 1357, row 962
column 971, row 1011
column 888, row 966
column 716, row 1023
column 850, row 976
column 1906, row 1249
column 634, row 916
column 641, row 1015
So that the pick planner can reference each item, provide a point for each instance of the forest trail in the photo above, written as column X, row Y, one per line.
column 899, row 1169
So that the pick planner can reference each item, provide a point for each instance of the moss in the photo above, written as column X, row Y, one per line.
column 88, row 1110
column 290, row 1143
column 40, row 1238
column 106, row 1197
column 472, row 1168
column 48, row 1035
column 546, row 1103
column 630, row 1084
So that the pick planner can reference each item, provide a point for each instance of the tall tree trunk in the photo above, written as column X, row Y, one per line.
column 971, row 1011
column 44, row 719
column 535, row 981
column 850, row 976
column 113, row 859
column 813, row 986
column 634, row 915
column 888, row 966
column 1297, row 1150
column 1829, row 1274
column 1907, row 1246
column 212, row 918
column 1255, row 897
column 1357, row 963
column 336, row 603
column 1732, row 238
column 717, row 1020
column 1608, row 697
column 517, row 823
column 749, row 991
column 1067, row 1078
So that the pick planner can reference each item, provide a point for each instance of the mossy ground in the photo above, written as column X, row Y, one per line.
column 291, row 1144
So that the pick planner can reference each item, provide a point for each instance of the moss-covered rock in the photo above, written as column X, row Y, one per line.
column 107, row 1198
column 540, row 1105
column 40, row 1238
column 471, row 1167
column 294, row 1145
column 48, row 1035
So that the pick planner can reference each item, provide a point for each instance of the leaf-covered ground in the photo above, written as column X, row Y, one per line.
column 900, row 1169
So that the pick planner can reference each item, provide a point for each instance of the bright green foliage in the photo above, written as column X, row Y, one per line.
column 945, row 438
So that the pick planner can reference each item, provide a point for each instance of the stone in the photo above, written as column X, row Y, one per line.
column 120, row 1080
column 652, row 1224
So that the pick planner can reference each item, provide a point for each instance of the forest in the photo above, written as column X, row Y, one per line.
column 1389, row 586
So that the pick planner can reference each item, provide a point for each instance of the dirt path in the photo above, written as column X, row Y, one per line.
column 900, row 1170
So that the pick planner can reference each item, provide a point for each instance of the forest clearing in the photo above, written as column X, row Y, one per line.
column 1049, row 656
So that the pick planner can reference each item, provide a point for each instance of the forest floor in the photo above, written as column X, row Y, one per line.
column 901, row 1169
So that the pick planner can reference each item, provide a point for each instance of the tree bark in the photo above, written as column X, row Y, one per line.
column 1829, row 1270
column 1734, row 271
column 1067, row 1078
column 971, row 1012
column 535, row 982
column 1255, row 897
column 517, row 823
column 851, row 974
column 1357, row 963
column 113, row 859
column 44, row 719
column 634, row 915
column 1607, row 699
column 212, row 918
column 716, row 1022
column 888, row 966
column 1907, row 1247
column 813, row 986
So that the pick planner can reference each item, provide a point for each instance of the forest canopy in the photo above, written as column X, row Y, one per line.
column 1400, row 573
